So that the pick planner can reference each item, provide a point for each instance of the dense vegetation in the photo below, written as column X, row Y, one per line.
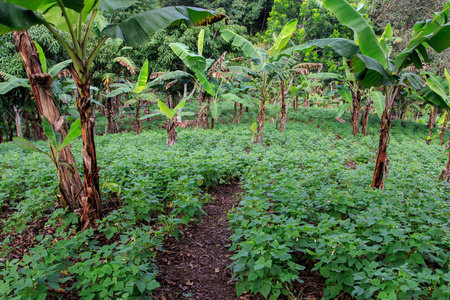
column 86, row 218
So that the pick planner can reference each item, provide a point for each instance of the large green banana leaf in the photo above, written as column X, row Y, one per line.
column 142, row 79
column 34, row 5
column 433, row 32
column 8, row 86
column 379, row 102
column 239, row 41
column 189, row 58
column 344, row 47
column 138, row 29
column 364, row 35
column 135, row 30
column 13, row 17
column 284, row 37
column 370, row 72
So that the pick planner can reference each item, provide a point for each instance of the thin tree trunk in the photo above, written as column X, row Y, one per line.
column 365, row 118
column 283, row 107
column 212, row 123
column 70, row 184
column 35, row 127
column 205, row 116
column 306, row 103
column 356, row 103
column 91, row 208
column 444, row 126
column 27, row 126
column 431, row 123
column 382, row 163
column 18, row 121
column 10, row 121
column 240, row 113
column 262, row 110
column 199, row 110
column 110, row 111
column 234, row 112
column 137, row 118
column 171, row 133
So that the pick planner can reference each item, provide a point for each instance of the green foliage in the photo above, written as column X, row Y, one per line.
column 316, row 22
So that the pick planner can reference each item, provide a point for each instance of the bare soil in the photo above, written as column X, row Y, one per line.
column 195, row 267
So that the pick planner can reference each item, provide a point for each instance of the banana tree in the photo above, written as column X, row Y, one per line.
column 437, row 93
column 199, row 65
column 370, row 61
column 263, row 67
column 170, row 113
column 138, row 92
column 78, row 18
column 205, row 71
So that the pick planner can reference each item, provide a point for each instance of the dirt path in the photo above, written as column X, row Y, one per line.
column 195, row 267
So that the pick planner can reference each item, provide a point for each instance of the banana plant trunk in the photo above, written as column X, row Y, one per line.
column 431, row 123
column 234, row 112
column 444, row 126
column 70, row 184
column 365, row 118
column 137, row 120
column 110, row 111
column 199, row 110
column 296, row 104
column 356, row 103
column 172, row 135
column 91, row 208
column 18, row 121
column 262, row 110
column 205, row 121
column 27, row 125
column 240, row 113
column 306, row 102
column 283, row 107
column 382, row 162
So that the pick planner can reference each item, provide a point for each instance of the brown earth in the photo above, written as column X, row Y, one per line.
column 195, row 267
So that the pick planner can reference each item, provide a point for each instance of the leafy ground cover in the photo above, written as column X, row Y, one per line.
column 307, row 202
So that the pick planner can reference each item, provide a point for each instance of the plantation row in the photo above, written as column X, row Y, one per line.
column 301, row 201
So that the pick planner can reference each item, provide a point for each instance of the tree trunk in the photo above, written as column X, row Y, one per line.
column 18, row 121
column 205, row 116
column 444, row 126
column 91, row 208
column 171, row 133
column 431, row 123
column 199, row 110
column 70, row 184
column 212, row 123
column 240, row 113
column 365, row 118
column 110, row 111
column 306, row 102
column 234, row 112
column 35, row 127
column 262, row 110
column 296, row 104
column 283, row 107
column 10, row 122
column 137, row 118
column 27, row 126
column 356, row 103
column 382, row 163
